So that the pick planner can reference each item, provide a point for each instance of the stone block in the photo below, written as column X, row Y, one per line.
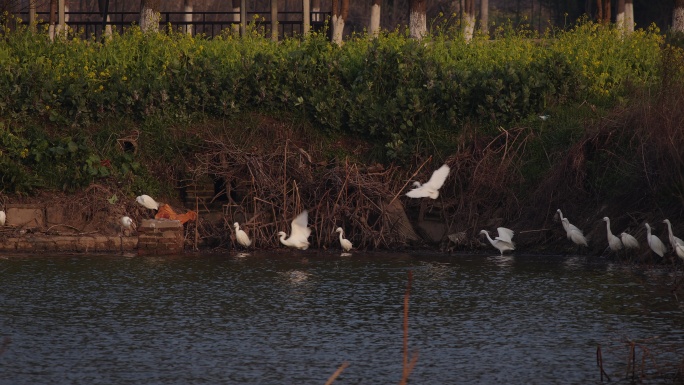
column 25, row 215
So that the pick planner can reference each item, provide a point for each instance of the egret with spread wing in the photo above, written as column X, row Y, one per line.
column 430, row 188
column 504, row 242
column 299, row 234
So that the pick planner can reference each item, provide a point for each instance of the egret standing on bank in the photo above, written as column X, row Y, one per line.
column 573, row 232
column 147, row 202
column 299, row 234
column 614, row 242
column 654, row 242
column 241, row 237
column 674, row 241
column 430, row 188
column 629, row 241
column 127, row 224
column 345, row 243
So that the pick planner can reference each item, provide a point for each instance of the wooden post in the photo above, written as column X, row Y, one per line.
column 243, row 17
column 274, row 20
column 306, row 17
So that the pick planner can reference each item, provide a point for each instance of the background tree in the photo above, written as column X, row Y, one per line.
column 678, row 16
column 484, row 16
column 374, row 25
column 417, row 19
column 52, row 19
column 149, row 15
column 340, row 11
column 469, row 19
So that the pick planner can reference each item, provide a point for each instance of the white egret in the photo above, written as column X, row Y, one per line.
column 345, row 243
column 241, row 236
column 504, row 242
column 299, row 234
column 654, row 242
column 674, row 241
column 628, row 241
column 680, row 251
column 614, row 242
column 147, row 202
column 127, row 224
column 567, row 226
column 430, row 188
column 3, row 217
column 574, row 234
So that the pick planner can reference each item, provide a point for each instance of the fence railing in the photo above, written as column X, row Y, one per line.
column 210, row 24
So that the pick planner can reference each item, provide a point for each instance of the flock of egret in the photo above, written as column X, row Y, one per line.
column 300, row 232
column 504, row 241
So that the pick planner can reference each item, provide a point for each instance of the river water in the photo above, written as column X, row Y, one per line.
column 294, row 318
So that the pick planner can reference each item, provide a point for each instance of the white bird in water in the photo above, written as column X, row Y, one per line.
column 614, row 242
column 345, row 243
column 504, row 242
column 674, row 241
column 629, row 241
column 299, row 234
column 147, row 202
column 430, row 188
column 3, row 217
column 654, row 242
column 241, row 236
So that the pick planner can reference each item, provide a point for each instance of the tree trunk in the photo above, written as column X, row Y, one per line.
column 274, row 20
column 32, row 15
column 235, row 27
column 484, row 16
column 678, row 16
column 629, row 16
column 603, row 8
column 469, row 20
column 417, row 19
column 188, row 7
column 340, row 12
column 374, row 25
column 149, row 15
column 52, row 19
column 620, row 16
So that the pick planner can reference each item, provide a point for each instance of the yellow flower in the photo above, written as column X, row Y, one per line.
column 124, row 78
column 24, row 153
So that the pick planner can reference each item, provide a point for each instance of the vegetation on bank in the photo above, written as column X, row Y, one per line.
column 67, row 106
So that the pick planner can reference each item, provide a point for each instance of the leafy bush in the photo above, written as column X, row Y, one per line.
column 392, row 91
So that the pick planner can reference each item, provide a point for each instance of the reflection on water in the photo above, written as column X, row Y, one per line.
column 282, row 318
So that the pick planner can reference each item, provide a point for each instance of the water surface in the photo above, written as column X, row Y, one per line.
column 286, row 318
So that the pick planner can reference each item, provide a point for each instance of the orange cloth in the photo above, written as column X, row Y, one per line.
column 165, row 211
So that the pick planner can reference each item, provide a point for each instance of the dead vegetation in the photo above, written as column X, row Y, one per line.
column 267, row 186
